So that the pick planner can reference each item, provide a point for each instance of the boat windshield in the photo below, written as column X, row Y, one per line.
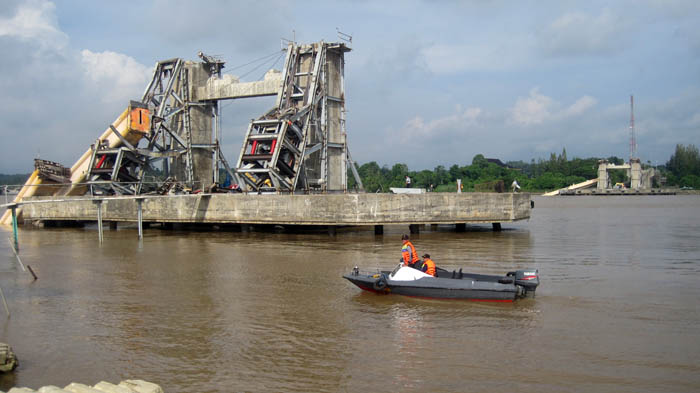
column 396, row 269
column 405, row 273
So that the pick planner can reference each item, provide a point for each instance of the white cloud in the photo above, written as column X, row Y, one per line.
column 114, row 76
column 532, row 110
column 417, row 128
column 46, row 84
column 581, row 105
column 35, row 21
column 538, row 108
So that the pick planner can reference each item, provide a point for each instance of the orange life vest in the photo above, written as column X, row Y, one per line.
column 428, row 266
column 408, row 252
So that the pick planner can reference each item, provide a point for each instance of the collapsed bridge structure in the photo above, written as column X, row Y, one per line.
column 297, row 149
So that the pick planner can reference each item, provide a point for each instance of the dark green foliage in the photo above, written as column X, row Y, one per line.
column 557, row 172
column 18, row 179
column 684, row 167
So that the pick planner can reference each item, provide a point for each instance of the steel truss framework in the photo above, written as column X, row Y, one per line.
column 289, row 149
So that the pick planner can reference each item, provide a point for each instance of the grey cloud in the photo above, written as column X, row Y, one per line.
column 244, row 26
column 580, row 33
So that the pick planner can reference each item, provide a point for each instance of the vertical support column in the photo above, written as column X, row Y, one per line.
column 217, row 137
column 602, row 175
column 201, row 116
column 98, row 202
column 635, row 174
column 14, row 225
column 139, row 202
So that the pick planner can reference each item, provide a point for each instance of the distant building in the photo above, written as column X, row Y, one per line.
column 500, row 163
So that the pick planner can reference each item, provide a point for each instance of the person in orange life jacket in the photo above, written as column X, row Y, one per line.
column 409, row 256
column 428, row 265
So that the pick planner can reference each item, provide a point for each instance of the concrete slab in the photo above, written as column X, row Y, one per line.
column 81, row 388
column 51, row 389
column 107, row 387
column 315, row 209
column 140, row 386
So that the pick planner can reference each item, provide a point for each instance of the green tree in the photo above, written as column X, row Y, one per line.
column 480, row 161
column 441, row 175
column 684, row 161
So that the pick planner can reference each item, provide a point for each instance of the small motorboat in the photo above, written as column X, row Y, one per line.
column 407, row 281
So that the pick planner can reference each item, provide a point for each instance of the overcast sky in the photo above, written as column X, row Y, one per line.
column 427, row 83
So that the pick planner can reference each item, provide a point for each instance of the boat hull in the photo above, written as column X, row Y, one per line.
column 463, row 286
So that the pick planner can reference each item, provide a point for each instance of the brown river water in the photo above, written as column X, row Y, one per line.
column 617, row 310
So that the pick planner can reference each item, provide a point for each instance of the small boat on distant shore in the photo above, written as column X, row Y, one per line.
column 407, row 281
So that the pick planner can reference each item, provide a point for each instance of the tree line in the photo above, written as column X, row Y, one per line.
column 682, row 169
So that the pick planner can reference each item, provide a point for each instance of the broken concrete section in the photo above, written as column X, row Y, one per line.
column 127, row 386
column 8, row 360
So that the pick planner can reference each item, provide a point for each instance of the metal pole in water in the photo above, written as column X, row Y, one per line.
column 14, row 225
column 7, row 309
column 99, row 218
column 139, row 201
column 17, row 255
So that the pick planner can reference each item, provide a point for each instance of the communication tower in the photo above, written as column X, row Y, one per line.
column 633, row 136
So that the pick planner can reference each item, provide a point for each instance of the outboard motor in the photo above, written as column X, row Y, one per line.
column 528, row 280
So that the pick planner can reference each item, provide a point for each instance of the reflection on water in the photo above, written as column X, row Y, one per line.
column 229, row 311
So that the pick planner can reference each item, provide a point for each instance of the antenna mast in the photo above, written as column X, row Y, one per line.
column 633, row 136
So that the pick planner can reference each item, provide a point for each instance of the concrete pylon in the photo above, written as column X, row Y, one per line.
column 635, row 173
column 602, row 175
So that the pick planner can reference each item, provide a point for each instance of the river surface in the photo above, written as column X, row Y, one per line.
column 617, row 310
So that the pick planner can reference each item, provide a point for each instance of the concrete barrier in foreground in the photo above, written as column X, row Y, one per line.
column 127, row 386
